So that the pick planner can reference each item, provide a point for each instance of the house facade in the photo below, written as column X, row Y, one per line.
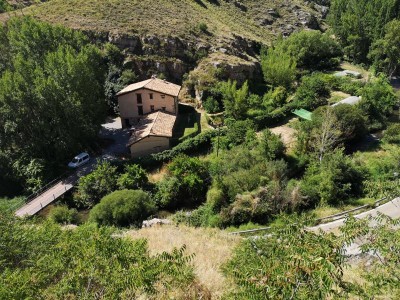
column 139, row 99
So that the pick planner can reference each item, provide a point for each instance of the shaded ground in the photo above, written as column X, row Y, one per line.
column 287, row 134
column 112, row 130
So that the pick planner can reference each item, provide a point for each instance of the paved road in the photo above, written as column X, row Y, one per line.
column 391, row 209
column 112, row 130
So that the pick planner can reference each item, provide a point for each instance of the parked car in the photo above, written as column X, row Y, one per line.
column 79, row 160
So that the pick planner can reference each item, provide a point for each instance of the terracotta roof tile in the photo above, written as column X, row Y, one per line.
column 153, row 84
column 155, row 124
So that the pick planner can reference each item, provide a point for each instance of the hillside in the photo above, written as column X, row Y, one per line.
column 170, row 37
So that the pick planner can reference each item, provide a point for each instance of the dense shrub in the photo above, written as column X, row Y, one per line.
column 211, row 105
column 333, row 180
column 392, row 134
column 200, row 142
column 378, row 100
column 271, row 145
column 167, row 192
column 63, row 215
column 352, row 123
column 312, row 92
column 313, row 50
column 193, row 177
column 134, row 178
column 92, row 187
column 123, row 208
column 43, row 260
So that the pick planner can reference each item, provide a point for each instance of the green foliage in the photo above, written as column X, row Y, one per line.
column 167, row 192
column 278, row 66
column 333, row 180
column 378, row 99
column 51, row 94
column 312, row 92
column 193, row 177
column 313, row 50
column 192, row 145
column 94, row 186
column 286, row 264
column 134, row 178
column 275, row 98
column 203, row 27
column 382, row 274
column 211, row 105
column 84, row 263
column 4, row 6
column 392, row 134
column 271, row 145
column 11, row 204
column 352, row 124
column 239, row 132
column 63, row 215
column 358, row 24
column 123, row 208
column 385, row 52
column 235, row 100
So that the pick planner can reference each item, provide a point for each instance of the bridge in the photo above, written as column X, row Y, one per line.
column 61, row 185
column 53, row 190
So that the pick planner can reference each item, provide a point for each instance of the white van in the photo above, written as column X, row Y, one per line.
column 79, row 160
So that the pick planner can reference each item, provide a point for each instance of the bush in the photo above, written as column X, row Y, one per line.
column 94, row 186
column 215, row 198
column 123, row 208
column 312, row 92
column 211, row 105
column 203, row 27
column 271, row 145
column 167, row 192
column 392, row 134
column 64, row 215
column 134, row 178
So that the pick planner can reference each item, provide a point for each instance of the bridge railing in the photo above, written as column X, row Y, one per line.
column 46, row 187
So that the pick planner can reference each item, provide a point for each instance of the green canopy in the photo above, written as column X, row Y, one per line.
column 304, row 114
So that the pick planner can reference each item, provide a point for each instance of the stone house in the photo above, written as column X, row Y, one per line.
column 149, row 109
column 141, row 98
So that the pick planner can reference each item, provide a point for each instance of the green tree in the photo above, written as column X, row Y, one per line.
column 51, row 93
column 313, row 50
column 193, row 176
column 271, row 145
column 123, row 208
column 235, row 100
column 134, row 178
column 85, row 263
column 333, row 180
column 286, row 264
column 63, row 215
column 278, row 66
column 312, row 92
column 385, row 52
column 359, row 23
column 378, row 100
column 94, row 186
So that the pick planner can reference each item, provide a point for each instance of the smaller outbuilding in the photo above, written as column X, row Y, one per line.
column 345, row 73
column 352, row 100
column 152, row 133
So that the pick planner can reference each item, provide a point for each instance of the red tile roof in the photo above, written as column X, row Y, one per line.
column 155, row 124
column 154, row 84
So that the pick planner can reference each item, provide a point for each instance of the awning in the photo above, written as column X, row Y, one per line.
column 304, row 114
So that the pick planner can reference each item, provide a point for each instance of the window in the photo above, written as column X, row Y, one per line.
column 152, row 107
column 151, row 96
column 139, row 98
column 163, row 96
column 163, row 108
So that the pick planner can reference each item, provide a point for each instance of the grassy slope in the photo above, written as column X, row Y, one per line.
column 212, row 248
column 162, row 17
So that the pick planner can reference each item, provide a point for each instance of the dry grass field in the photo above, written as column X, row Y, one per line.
column 212, row 248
